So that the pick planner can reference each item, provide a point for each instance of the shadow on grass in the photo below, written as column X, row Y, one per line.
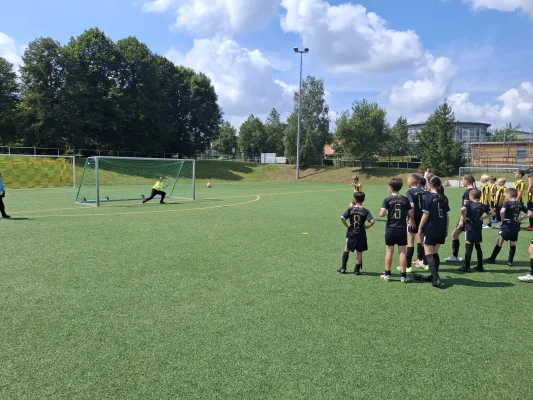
column 222, row 170
column 303, row 175
column 472, row 283
column 18, row 219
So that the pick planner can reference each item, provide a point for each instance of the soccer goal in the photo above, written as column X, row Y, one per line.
column 107, row 179
column 38, row 171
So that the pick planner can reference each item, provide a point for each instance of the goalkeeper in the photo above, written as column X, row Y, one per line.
column 2, row 195
column 158, row 190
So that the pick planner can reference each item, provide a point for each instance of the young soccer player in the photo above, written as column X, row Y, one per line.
column 356, row 232
column 529, row 277
column 519, row 185
column 357, row 186
column 434, row 226
column 158, row 190
column 499, row 199
column 2, row 195
column 422, row 261
column 530, row 199
column 397, row 209
column 415, row 195
column 470, row 183
column 486, row 195
column 471, row 219
column 493, row 188
column 510, row 227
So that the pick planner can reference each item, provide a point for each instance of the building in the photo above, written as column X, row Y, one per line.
column 519, row 153
column 467, row 132
column 523, row 135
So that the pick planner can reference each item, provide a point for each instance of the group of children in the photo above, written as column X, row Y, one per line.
column 422, row 217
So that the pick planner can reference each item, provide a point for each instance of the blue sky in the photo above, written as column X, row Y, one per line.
column 409, row 58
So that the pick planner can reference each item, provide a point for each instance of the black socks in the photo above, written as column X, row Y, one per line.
column 345, row 257
column 479, row 255
column 455, row 247
column 531, row 266
column 420, row 251
column 468, row 254
column 495, row 252
column 512, row 251
column 410, row 252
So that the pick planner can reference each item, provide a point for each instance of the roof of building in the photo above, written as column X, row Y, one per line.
column 456, row 122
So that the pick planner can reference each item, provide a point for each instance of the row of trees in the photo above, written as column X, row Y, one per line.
column 94, row 93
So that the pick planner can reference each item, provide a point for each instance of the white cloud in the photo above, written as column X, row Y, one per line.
column 525, row 6
column 436, row 75
column 515, row 105
column 347, row 38
column 208, row 18
column 11, row 50
column 243, row 78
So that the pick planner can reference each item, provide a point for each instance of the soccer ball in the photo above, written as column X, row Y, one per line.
column 209, row 185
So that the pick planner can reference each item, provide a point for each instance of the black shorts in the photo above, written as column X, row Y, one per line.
column 530, row 205
column 357, row 243
column 417, row 224
column 509, row 235
column 461, row 228
column 473, row 236
column 434, row 240
column 395, row 237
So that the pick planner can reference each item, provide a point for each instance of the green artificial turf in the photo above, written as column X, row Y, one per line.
column 225, row 297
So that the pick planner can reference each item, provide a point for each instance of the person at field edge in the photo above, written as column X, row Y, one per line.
column 397, row 209
column 433, row 228
column 493, row 188
column 2, row 195
column 470, row 183
column 356, row 240
column 519, row 185
column 530, row 199
column 157, row 190
column 471, row 219
column 510, row 227
column 499, row 199
column 486, row 195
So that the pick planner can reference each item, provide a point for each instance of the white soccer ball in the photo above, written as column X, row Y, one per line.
column 209, row 185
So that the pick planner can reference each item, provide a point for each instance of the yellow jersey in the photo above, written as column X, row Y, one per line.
column 159, row 186
column 499, row 197
column 357, row 187
column 486, row 194
column 520, row 186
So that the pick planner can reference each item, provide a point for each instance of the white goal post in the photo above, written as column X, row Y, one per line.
column 38, row 171
column 107, row 179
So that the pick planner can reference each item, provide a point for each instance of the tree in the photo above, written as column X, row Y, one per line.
column 507, row 134
column 399, row 138
column 362, row 132
column 252, row 136
column 314, row 125
column 275, row 130
column 9, row 98
column 43, row 114
column 225, row 141
column 438, row 149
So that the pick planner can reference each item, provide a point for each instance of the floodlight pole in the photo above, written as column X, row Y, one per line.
column 296, row 50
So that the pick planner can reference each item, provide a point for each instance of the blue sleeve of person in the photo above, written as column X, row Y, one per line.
column 385, row 204
column 346, row 214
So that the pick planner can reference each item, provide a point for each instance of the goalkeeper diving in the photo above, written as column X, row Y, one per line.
column 158, row 190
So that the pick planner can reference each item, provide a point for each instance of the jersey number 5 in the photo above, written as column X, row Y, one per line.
column 398, row 211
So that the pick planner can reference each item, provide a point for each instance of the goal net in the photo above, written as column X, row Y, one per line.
column 108, row 179
column 34, row 171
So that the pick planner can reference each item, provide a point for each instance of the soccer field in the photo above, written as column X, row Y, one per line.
column 236, row 296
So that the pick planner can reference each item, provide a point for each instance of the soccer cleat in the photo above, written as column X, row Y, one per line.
column 480, row 268
column 436, row 283
column 357, row 270
column 464, row 269
column 486, row 227
column 162, row 202
column 341, row 270
column 453, row 259
column 530, row 229
column 415, row 261
column 385, row 277
column 6, row 216
column 509, row 263
column 405, row 279
column 489, row 260
column 526, row 278
column 409, row 270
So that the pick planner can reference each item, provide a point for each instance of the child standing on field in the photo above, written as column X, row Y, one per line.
column 357, row 186
column 511, row 215
column 493, row 188
column 471, row 220
column 499, row 198
column 356, row 240
column 486, row 195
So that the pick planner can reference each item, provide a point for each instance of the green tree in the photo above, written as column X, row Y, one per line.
column 314, row 122
column 42, row 113
column 438, row 149
column 90, row 67
column 252, row 136
column 507, row 134
column 361, row 131
column 226, row 139
column 275, row 131
column 399, row 138
column 9, row 98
